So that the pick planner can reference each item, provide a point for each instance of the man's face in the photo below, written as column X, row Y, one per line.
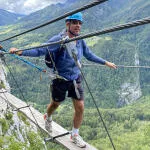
column 74, row 26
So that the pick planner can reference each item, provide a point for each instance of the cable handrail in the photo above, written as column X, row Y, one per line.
column 119, row 66
column 96, row 33
column 58, row 18
column 52, row 75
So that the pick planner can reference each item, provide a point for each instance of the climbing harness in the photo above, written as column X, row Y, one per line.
column 76, row 89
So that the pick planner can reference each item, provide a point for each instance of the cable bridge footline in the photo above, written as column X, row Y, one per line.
column 57, row 130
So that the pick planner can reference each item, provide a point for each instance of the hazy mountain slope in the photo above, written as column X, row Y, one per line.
column 8, row 17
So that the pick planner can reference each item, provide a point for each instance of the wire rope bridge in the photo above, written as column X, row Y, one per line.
column 59, row 134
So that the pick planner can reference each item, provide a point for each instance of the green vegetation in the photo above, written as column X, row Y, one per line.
column 23, row 118
column 15, row 145
column 35, row 141
column 2, row 85
column 129, row 126
column 4, row 124
column 1, row 142
column 8, row 116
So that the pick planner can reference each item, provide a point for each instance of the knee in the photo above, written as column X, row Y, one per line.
column 80, row 108
column 54, row 105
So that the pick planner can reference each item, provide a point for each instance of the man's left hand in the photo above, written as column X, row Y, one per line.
column 111, row 65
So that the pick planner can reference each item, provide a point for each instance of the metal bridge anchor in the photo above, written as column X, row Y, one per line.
column 51, row 139
column 21, row 108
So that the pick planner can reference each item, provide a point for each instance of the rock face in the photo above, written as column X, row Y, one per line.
column 16, row 130
column 130, row 91
column 3, row 82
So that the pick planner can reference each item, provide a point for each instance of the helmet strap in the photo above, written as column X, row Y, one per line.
column 72, row 32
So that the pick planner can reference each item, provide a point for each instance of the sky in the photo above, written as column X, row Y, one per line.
column 26, row 6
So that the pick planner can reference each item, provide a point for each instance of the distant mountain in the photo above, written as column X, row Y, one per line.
column 8, row 17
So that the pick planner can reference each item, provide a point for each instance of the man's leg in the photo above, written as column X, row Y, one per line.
column 58, row 90
column 77, row 120
column 78, row 115
column 52, row 107
column 48, row 116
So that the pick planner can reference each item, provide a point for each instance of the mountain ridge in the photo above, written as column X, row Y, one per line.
column 7, row 17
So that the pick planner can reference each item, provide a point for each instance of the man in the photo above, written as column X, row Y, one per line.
column 67, row 67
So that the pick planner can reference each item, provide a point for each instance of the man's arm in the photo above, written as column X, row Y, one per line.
column 33, row 52
column 92, row 57
column 37, row 51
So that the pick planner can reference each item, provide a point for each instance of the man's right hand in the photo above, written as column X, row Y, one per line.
column 15, row 51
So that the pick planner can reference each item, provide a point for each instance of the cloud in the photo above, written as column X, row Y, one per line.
column 26, row 6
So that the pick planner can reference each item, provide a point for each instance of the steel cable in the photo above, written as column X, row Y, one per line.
column 58, row 18
column 100, row 32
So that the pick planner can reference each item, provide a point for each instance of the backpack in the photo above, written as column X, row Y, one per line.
column 50, row 59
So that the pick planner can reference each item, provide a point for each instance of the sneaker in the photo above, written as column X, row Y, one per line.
column 48, row 123
column 77, row 139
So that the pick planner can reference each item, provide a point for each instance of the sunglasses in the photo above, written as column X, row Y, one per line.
column 76, row 22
